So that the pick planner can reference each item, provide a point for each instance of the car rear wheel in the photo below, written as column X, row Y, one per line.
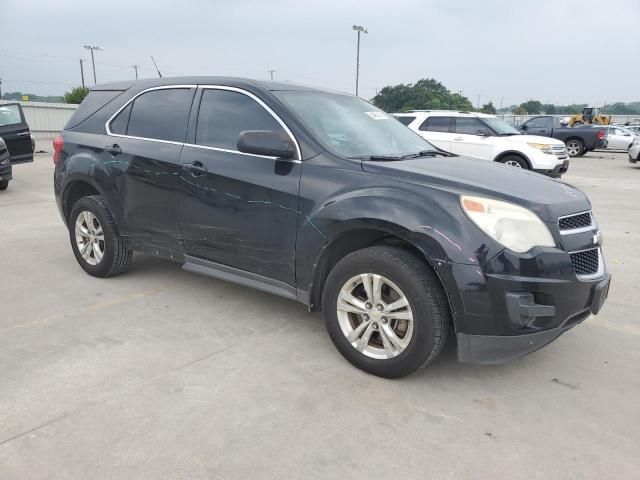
column 98, row 247
column 385, row 311
column 575, row 147
column 515, row 161
column 4, row 184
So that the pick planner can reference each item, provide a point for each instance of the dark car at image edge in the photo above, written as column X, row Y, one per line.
column 322, row 198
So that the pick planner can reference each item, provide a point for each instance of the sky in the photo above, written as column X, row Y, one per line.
column 505, row 51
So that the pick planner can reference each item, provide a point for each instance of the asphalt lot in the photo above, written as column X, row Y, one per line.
column 160, row 373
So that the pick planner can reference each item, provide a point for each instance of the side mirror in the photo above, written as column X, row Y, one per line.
column 265, row 142
column 524, row 127
column 483, row 133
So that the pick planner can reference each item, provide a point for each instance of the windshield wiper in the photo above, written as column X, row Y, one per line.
column 426, row 153
column 377, row 158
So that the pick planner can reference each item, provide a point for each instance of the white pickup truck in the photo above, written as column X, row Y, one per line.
column 488, row 137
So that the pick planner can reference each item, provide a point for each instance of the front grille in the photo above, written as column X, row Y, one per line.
column 559, row 150
column 586, row 262
column 571, row 222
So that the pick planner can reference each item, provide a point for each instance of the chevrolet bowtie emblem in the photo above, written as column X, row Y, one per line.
column 597, row 238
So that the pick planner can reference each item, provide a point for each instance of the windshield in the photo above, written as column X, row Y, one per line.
column 500, row 126
column 351, row 127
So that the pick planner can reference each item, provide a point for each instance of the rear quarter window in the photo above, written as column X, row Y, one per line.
column 93, row 102
column 405, row 120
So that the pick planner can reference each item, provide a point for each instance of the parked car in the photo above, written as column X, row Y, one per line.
column 485, row 136
column 5, row 166
column 322, row 198
column 635, row 129
column 634, row 151
column 579, row 140
column 15, row 132
column 619, row 138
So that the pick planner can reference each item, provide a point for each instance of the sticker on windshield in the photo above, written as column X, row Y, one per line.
column 377, row 115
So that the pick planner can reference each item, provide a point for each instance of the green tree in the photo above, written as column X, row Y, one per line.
column 519, row 111
column 425, row 94
column 549, row 108
column 76, row 95
column 532, row 106
column 488, row 108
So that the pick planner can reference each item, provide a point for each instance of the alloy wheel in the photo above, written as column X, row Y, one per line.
column 375, row 316
column 573, row 148
column 89, row 237
column 513, row 163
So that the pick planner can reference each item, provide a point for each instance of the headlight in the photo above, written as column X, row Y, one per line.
column 517, row 228
column 543, row 147
column 636, row 141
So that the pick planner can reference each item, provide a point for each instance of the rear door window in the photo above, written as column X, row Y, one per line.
column 10, row 115
column 224, row 114
column 437, row 124
column 160, row 114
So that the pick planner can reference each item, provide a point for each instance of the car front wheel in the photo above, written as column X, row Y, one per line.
column 385, row 311
column 4, row 184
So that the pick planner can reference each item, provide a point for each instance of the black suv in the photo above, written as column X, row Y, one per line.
column 322, row 198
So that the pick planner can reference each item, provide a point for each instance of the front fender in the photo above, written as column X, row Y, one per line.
column 431, row 220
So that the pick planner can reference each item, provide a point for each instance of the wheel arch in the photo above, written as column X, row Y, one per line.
column 516, row 153
column 75, row 189
column 381, row 233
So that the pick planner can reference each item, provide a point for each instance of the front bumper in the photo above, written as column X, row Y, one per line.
column 556, row 172
column 494, row 349
column 634, row 154
column 513, row 304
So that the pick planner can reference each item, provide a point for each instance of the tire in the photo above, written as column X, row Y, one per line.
column 583, row 153
column 575, row 147
column 115, row 255
column 421, row 338
column 515, row 161
column 4, row 184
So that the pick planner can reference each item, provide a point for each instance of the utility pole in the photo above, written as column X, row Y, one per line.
column 360, row 29
column 478, row 101
column 135, row 67
column 0, row 89
column 271, row 72
column 82, row 73
column 501, row 99
column 93, row 60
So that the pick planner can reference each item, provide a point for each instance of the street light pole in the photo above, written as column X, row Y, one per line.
column 271, row 72
column 359, row 29
column 93, row 61
column 82, row 73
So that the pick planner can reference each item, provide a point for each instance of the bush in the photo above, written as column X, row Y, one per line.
column 76, row 95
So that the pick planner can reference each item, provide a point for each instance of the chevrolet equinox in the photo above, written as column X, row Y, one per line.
column 321, row 197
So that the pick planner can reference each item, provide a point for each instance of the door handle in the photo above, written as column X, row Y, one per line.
column 114, row 149
column 195, row 169
column 22, row 134
column 459, row 139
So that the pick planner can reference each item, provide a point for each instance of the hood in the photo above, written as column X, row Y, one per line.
column 547, row 197
column 522, row 139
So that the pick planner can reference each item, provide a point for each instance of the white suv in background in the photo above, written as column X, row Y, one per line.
column 485, row 136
